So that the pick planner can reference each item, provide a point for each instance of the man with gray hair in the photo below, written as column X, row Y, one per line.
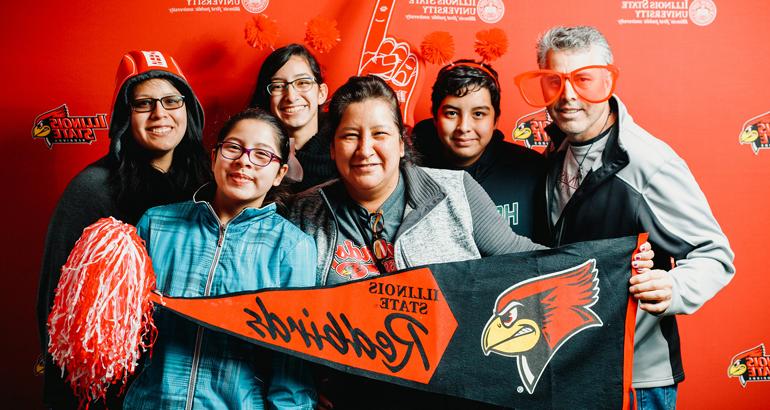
column 608, row 177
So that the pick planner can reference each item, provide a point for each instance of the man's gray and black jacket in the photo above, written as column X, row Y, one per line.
column 641, row 185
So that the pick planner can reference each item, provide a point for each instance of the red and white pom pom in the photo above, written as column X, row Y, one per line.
column 438, row 47
column 101, row 319
column 261, row 32
column 490, row 44
column 322, row 34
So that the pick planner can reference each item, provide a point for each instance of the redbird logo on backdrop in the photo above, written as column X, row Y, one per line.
column 530, row 129
column 750, row 365
column 756, row 132
column 57, row 126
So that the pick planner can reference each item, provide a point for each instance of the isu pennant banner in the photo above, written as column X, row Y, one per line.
column 545, row 329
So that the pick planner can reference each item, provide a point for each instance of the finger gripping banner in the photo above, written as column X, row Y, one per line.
column 545, row 329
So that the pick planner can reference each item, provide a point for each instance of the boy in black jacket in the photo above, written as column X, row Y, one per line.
column 462, row 134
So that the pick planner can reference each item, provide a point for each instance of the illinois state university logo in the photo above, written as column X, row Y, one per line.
column 702, row 12
column 255, row 6
column 57, row 126
column 534, row 318
column 752, row 365
column 490, row 11
column 756, row 132
column 530, row 129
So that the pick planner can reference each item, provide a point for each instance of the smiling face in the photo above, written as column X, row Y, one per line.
column 465, row 126
column 240, row 183
column 160, row 130
column 367, row 149
column 578, row 119
column 298, row 111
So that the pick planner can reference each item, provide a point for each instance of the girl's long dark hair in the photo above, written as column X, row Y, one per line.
column 273, row 63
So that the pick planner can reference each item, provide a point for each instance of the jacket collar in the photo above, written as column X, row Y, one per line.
column 482, row 166
column 422, row 194
column 204, row 197
column 614, row 156
column 421, row 190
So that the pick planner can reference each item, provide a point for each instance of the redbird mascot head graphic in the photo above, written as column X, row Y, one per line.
column 532, row 319
column 739, row 365
column 42, row 127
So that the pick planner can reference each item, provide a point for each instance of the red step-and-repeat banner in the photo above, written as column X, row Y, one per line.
column 693, row 73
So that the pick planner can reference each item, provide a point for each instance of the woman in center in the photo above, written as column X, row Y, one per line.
column 386, row 214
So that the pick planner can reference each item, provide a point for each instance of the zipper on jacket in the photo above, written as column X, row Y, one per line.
column 556, row 229
column 333, row 242
column 559, row 235
column 552, row 226
column 559, row 227
column 199, row 335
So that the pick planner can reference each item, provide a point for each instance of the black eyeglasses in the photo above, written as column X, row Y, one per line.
column 169, row 102
column 379, row 244
column 257, row 156
column 301, row 85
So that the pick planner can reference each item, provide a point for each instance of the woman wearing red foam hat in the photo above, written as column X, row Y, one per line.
column 156, row 157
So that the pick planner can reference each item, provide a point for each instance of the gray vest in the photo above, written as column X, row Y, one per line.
column 437, row 225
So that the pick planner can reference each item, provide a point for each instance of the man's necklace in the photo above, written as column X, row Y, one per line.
column 582, row 160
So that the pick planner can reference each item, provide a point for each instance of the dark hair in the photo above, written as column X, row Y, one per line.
column 462, row 77
column 281, row 135
column 280, row 193
column 273, row 63
column 190, row 166
column 359, row 89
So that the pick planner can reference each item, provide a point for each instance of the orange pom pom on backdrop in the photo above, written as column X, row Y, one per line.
column 438, row 47
column 261, row 32
column 491, row 44
column 322, row 34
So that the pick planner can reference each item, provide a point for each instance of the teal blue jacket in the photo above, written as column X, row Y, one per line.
column 193, row 255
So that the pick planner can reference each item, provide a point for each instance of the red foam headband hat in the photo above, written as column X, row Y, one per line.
column 135, row 62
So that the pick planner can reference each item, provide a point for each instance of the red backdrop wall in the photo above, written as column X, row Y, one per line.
column 693, row 78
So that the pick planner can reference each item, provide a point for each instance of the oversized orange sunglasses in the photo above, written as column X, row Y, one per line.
column 593, row 83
